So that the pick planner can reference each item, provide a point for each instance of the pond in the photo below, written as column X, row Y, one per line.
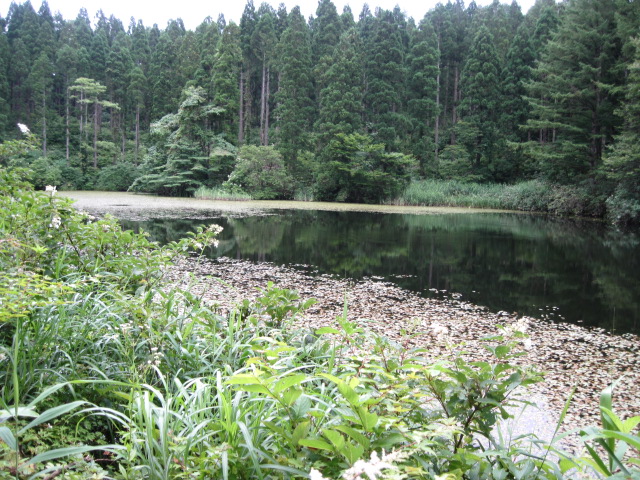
column 560, row 269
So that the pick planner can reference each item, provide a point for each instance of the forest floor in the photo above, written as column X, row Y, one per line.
column 570, row 356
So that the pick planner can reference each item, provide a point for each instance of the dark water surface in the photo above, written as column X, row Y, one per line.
column 579, row 271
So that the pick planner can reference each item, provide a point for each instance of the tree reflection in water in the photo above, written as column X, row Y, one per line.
column 534, row 265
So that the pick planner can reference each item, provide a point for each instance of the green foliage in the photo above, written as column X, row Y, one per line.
column 531, row 196
column 355, row 169
column 189, row 154
column 117, row 178
column 181, row 390
column 262, row 173
column 574, row 91
column 228, row 192
column 613, row 449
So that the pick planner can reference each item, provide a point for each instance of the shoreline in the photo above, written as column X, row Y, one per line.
column 568, row 354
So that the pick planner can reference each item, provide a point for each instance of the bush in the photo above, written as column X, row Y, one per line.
column 352, row 168
column 531, row 196
column 262, row 173
column 117, row 178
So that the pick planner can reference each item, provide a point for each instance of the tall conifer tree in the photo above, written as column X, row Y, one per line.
column 294, row 109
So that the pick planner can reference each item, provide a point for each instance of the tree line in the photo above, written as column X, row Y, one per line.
column 338, row 106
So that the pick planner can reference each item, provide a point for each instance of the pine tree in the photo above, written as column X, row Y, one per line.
column 19, row 68
column 136, row 97
column 573, row 95
column 4, row 84
column 294, row 108
column 423, row 67
column 479, row 129
column 89, row 92
column 248, row 73
column 622, row 161
column 385, row 74
column 263, row 41
column 326, row 30
column 340, row 102
column 119, row 65
column 517, row 73
column 226, row 81
column 40, row 80
column 189, row 154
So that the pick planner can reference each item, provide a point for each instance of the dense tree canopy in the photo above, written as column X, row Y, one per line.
column 474, row 93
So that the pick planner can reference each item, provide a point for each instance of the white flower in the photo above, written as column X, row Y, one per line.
column 315, row 475
column 50, row 189
column 24, row 129
column 373, row 468
column 55, row 222
column 214, row 228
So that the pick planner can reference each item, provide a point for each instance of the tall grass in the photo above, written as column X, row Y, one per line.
column 206, row 193
column 530, row 196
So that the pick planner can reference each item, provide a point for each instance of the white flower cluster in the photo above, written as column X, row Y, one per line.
column 56, row 221
column 372, row 468
column 156, row 357
column 24, row 129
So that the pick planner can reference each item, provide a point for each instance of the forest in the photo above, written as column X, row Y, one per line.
column 341, row 106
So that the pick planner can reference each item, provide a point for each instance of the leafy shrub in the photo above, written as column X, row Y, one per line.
column 623, row 208
column 45, row 172
column 261, row 172
column 116, row 178
column 353, row 168
column 229, row 191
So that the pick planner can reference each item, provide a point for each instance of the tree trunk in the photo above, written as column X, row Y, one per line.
column 454, row 110
column 266, row 108
column 44, row 123
column 262, row 100
column 436, row 136
column 67, row 133
column 135, row 155
column 241, row 109
column 95, row 134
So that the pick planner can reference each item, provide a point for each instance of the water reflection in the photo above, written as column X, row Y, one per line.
column 533, row 265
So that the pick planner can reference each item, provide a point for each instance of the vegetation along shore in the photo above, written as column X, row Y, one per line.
column 129, row 360
column 468, row 105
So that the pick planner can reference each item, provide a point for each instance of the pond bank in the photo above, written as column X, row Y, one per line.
column 136, row 206
column 570, row 355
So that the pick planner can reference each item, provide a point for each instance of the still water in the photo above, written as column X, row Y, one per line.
column 578, row 271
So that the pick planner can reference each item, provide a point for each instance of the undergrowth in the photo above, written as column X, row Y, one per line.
column 108, row 372
column 529, row 196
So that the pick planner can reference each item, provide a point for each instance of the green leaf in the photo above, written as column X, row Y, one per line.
column 323, row 330
column 336, row 439
column 301, row 430
column 290, row 396
column 255, row 389
column 632, row 440
column 243, row 379
column 6, row 435
column 65, row 452
column 368, row 420
column 288, row 382
column 51, row 414
column 352, row 452
column 354, row 434
column 315, row 443
column 22, row 412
